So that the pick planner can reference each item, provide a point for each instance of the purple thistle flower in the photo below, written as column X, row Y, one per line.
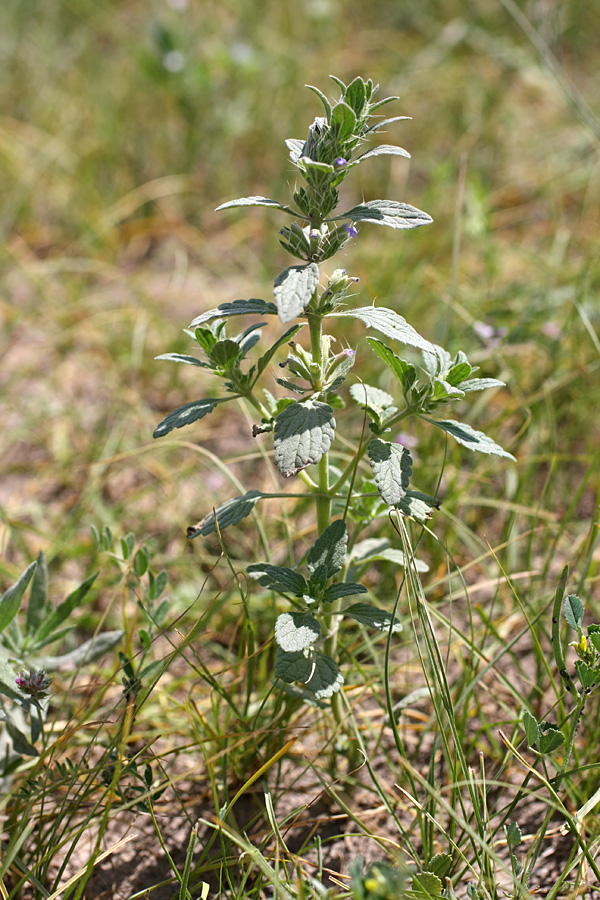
column 350, row 230
column 36, row 684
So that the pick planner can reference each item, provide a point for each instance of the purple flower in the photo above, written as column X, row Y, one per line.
column 350, row 230
column 36, row 684
column 340, row 161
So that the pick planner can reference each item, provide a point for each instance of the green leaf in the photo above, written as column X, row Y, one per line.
column 440, row 864
column 467, row 436
column 531, row 728
column 384, row 122
column 388, row 212
column 292, row 667
column 426, row 886
column 64, row 609
column 513, row 835
column 38, row 605
column 342, row 123
column 293, row 290
column 20, row 743
column 10, row 601
column 372, row 397
column 392, row 468
column 343, row 589
column 224, row 352
column 88, row 652
column 387, row 322
column 372, row 616
column 296, row 631
column 328, row 554
column 183, row 358
column 253, row 201
column 7, row 681
column 185, row 415
column 322, row 98
column 326, row 678
column 355, row 96
column 574, row 610
column 550, row 738
column 391, row 554
column 587, row 675
column 278, row 578
column 266, row 358
column 252, row 307
column 384, row 150
column 303, row 433
column 229, row 513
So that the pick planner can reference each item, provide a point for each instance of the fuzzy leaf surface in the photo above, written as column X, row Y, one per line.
column 229, row 513
column 292, row 666
column 372, row 616
column 328, row 554
column 303, row 433
column 296, row 631
column 7, row 681
column 343, row 589
column 326, row 678
column 10, row 601
column 183, row 358
column 253, row 201
column 185, row 415
column 387, row 322
column 388, row 212
column 88, row 652
column 418, row 506
column 393, row 555
column 384, row 150
column 574, row 610
column 467, row 436
column 293, row 289
column 278, row 578
column 252, row 307
column 392, row 468
column 370, row 396
column 480, row 384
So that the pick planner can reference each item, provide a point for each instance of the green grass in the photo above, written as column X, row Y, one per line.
column 112, row 166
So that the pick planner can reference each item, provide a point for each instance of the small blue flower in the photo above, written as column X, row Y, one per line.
column 340, row 161
column 351, row 230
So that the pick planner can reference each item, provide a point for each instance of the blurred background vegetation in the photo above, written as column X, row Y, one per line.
column 125, row 123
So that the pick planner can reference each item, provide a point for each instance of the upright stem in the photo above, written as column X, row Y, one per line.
column 315, row 324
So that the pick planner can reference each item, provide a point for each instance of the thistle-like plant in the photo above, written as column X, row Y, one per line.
column 302, row 421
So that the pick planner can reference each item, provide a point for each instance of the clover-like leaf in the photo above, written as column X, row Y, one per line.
column 188, row 413
column 467, row 436
column 387, row 322
column 550, row 738
column 293, row 290
column 372, row 616
column 296, row 631
column 303, row 433
column 328, row 554
column 531, row 728
column 392, row 468
column 229, row 513
column 587, row 675
column 278, row 578
column 252, row 307
column 388, row 212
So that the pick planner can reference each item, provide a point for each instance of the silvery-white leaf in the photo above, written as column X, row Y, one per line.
column 388, row 212
column 303, row 433
column 367, row 549
column 293, row 290
column 418, row 506
column 372, row 616
column 328, row 554
column 372, row 397
column 252, row 307
column 88, row 652
column 387, row 322
column 183, row 358
column 481, row 384
column 326, row 678
column 384, row 150
column 252, row 201
column 7, row 681
column 467, row 436
column 185, row 415
column 229, row 513
column 392, row 468
column 296, row 148
column 296, row 631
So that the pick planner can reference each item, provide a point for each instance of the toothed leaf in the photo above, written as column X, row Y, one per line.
column 392, row 468
column 467, row 436
column 387, row 322
column 293, row 289
column 328, row 554
column 278, row 578
column 296, row 631
column 372, row 616
column 185, row 415
column 303, row 433
column 229, row 513
column 388, row 212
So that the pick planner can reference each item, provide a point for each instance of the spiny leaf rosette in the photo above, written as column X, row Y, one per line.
column 301, row 418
